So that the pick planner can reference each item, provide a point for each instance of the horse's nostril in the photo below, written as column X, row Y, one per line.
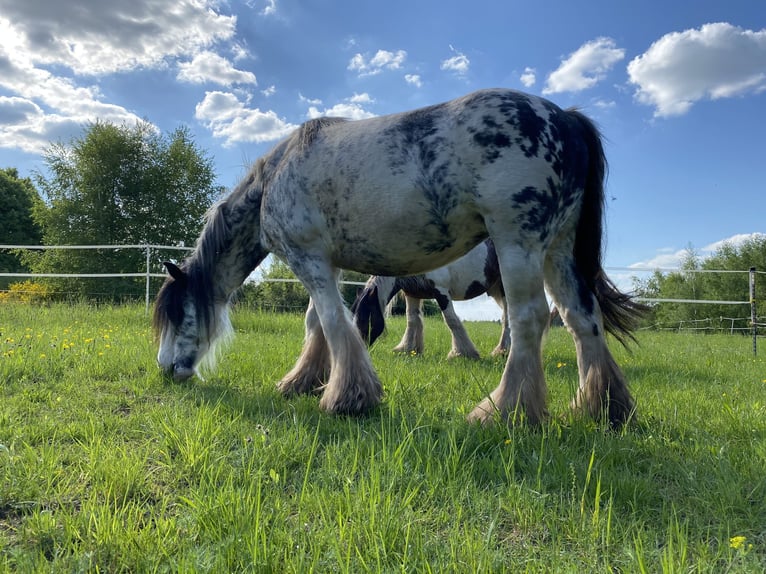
column 182, row 372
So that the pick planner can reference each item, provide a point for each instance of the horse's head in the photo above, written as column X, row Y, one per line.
column 185, row 323
column 368, row 313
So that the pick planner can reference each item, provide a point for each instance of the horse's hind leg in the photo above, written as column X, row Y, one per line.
column 602, row 387
column 412, row 340
column 522, row 387
column 313, row 366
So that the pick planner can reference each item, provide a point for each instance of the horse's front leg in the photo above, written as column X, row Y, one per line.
column 313, row 366
column 353, row 386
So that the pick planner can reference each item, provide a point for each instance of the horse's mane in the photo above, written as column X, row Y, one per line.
column 307, row 133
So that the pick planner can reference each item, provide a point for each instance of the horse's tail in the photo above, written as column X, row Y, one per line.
column 621, row 313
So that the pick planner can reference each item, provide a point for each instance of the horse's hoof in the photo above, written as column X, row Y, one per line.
column 484, row 413
column 298, row 386
column 352, row 402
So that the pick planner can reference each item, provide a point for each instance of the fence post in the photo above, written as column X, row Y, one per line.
column 753, row 316
column 148, row 275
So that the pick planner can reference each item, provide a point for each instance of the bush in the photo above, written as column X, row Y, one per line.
column 27, row 292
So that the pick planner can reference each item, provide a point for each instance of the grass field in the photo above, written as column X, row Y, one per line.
column 106, row 467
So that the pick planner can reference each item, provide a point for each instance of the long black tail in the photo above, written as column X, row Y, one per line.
column 620, row 311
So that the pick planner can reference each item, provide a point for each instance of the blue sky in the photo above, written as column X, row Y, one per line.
column 677, row 87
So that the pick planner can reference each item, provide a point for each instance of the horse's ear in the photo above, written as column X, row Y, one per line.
column 175, row 271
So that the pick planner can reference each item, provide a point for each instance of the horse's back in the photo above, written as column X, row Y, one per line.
column 412, row 191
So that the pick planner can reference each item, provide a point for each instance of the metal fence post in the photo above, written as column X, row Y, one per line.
column 753, row 316
column 148, row 275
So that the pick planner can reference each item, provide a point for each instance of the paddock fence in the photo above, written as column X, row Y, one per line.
column 155, row 254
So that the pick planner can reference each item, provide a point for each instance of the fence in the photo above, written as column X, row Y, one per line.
column 755, row 322
column 146, row 273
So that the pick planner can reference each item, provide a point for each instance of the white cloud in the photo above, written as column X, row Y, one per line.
column 112, row 35
column 231, row 120
column 341, row 110
column 715, row 61
column 670, row 258
column 351, row 108
column 48, row 107
column 413, row 79
column 363, row 98
column 584, row 67
column 270, row 9
column 734, row 241
column 209, row 67
column 459, row 63
column 270, row 91
column 311, row 101
column 529, row 77
column 382, row 60
column 47, row 47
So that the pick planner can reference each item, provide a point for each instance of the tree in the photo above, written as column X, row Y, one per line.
column 17, row 227
column 120, row 184
column 686, row 284
column 278, row 292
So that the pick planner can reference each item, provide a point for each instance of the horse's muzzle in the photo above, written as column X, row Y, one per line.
column 182, row 373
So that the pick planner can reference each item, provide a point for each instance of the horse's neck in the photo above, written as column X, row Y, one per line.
column 230, row 247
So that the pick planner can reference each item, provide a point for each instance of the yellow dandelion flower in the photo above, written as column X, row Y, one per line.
column 42, row 355
column 737, row 542
column 560, row 364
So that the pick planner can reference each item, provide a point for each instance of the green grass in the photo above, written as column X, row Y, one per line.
column 106, row 467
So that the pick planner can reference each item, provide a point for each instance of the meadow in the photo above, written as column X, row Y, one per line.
column 105, row 466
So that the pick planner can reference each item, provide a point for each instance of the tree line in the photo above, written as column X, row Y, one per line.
column 129, row 184
column 696, row 280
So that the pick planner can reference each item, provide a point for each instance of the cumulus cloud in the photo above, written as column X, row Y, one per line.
column 670, row 258
column 715, row 61
column 382, row 60
column 230, row 119
column 48, row 107
column 112, row 36
column 414, row 80
column 529, row 77
column 458, row 64
column 208, row 67
column 584, row 67
column 47, row 48
column 351, row 108
column 270, row 9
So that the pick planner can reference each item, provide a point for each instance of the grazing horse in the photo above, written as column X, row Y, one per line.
column 403, row 194
column 474, row 274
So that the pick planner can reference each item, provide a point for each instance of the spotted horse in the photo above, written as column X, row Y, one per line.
column 469, row 276
column 403, row 194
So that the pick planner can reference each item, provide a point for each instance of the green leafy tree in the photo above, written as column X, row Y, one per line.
column 120, row 184
column 280, row 291
column 17, row 227
column 710, row 286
